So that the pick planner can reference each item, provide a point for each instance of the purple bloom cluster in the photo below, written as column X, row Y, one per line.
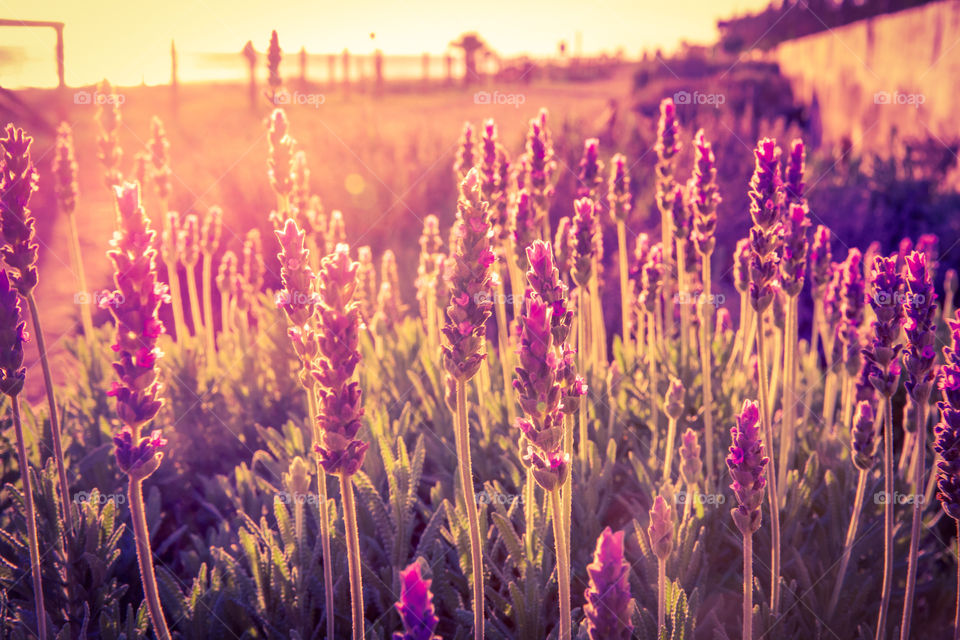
column 159, row 148
column 680, row 214
column 618, row 190
column 793, row 262
column 338, row 338
column 590, row 170
column 470, row 303
column 882, row 353
column 523, row 223
column 660, row 529
column 135, row 306
column 864, row 436
column 18, row 181
column 280, row 158
column 920, row 308
column 704, row 195
column 821, row 270
column 493, row 183
column 12, row 337
column 747, row 466
column 947, row 432
column 416, row 606
column 564, row 246
column 765, row 203
column 466, row 152
column 651, row 281
column 608, row 605
column 65, row 170
column 795, row 167
column 741, row 265
column 585, row 228
column 297, row 298
column 690, row 464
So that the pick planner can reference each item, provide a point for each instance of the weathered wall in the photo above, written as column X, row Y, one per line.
column 895, row 72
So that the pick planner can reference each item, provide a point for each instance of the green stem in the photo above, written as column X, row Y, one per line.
column 788, row 422
column 668, row 454
column 194, row 302
column 567, row 495
column 145, row 558
column 624, row 288
column 503, row 340
column 563, row 565
column 887, row 518
column 324, row 519
column 86, row 316
column 652, row 372
column 208, row 304
column 771, row 474
column 917, row 487
column 54, row 414
column 747, row 587
column 462, row 435
column 31, row 517
column 661, row 595
column 353, row 554
column 684, row 302
column 706, row 357
column 582, row 352
column 176, row 301
column 225, row 324
column 848, row 543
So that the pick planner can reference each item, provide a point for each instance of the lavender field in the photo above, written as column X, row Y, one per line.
column 631, row 349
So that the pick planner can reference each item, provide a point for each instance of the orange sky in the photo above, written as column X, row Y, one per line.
column 128, row 41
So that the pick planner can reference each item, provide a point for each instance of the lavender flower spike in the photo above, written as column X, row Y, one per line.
column 947, row 432
column 661, row 528
column 864, row 436
column 297, row 298
column 747, row 466
column 608, row 606
column 920, row 309
column 882, row 353
column 585, row 231
column 416, row 606
column 18, row 181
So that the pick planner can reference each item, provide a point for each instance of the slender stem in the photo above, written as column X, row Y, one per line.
column 815, row 326
column 668, row 454
column 353, row 554
column 624, row 287
column 583, row 353
column 776, row 370
column 462, row 434
column 788, row 422
column 684, row 302
column 145, row 559
column 917, row 487
column 887, row 518
column 54, row 414
column 324, row 519
column 208, row 304
column 747, row 587
column 503, row 340
column 848, row 543
column 771, row 475
column 661, row 595
column 31, row 517
column 563, row 565
column 749, row 337
column 567, row 494
column 225, row 324
column 176, row 301
column 86, row 316
column 706, row 357
column 666, row 241
column 194, row 302
column 529, row 506
column 652, row 373
column 598, row 336
column 432, row 333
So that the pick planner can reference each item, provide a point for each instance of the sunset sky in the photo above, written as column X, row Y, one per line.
column 129, row 42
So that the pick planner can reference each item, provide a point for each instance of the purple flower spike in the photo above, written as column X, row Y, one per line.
column 618, row 191
column 920, row 308
column 882, row 353
column 12, row 337
column 416, row 606
column 585, row 232
column 704, row 195
column 765, row 204
column 608, row 605
column 864, row 436
column 135, row 306
column 690, row 464
column 947, row 432
column 466, row 152
column 661, row 529
column 747, row 466
column 470, row 300
column 795, row 167
column 297, row 298
column 18, row 181
column 820, row 259
column 590, row 170
column 793, row 264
